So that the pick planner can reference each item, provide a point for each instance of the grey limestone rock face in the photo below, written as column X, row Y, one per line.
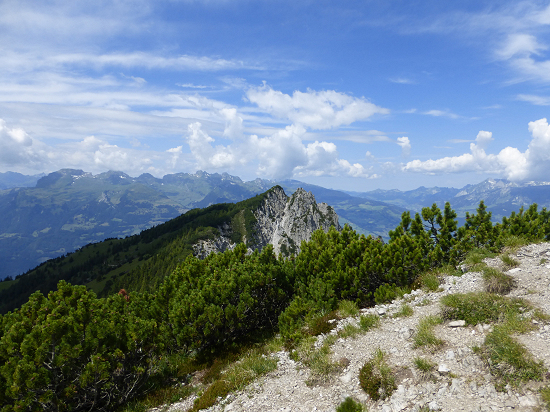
column 301, row 216
column 281, row 221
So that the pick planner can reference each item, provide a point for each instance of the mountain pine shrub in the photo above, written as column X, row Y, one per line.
column 349, row 405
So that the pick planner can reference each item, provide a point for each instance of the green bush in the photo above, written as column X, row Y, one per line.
column 376, row 377
column 225, row 297
column 72, row 351
column 349, row 405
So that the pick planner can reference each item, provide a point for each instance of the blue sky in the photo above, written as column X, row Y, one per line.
column 355, row 95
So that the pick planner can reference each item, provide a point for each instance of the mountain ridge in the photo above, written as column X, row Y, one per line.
column 140, row 262
column 70, row 208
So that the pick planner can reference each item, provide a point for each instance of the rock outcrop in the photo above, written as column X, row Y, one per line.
column 281, row 221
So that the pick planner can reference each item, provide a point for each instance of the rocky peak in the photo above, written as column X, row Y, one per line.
column 281, row 221
column 301, row 216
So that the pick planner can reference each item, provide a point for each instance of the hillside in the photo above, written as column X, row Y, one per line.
column 457, row 378
column 140, row 262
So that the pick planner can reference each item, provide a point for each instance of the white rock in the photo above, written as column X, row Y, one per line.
column 457, row 323
column 443, row 368
column 434, row 406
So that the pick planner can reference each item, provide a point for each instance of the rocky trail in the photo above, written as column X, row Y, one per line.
column 460, row 382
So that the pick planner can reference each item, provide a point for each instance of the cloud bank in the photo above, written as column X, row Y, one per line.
column 511, row 163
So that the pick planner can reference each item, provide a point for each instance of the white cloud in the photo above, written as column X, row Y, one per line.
column 401, row 80
column 536, row 100
column 510, row 162
column 280, row 155
column 405, row 144
column 520, row 44
column 442, row 113
column 17, row 149
column 316, row 110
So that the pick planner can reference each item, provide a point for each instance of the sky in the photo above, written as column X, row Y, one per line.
column 352, row 95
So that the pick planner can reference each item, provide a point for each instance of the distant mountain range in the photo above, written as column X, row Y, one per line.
column 70, row 208
column 500, row 196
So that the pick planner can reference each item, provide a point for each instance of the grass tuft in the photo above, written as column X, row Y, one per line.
column 475, row 257
column 509, row 261
column 545, row 396
column 318, row 360
column 236, row 376
column 429, row 281
column 425, row 367
column 404, row 311
column 347, row 308
column 512, row 243
column 320, row 325
column 376, row 377
column 368, row 322
column 497, row 282
column 481, row 307
column 509, row 361
column 425, row 336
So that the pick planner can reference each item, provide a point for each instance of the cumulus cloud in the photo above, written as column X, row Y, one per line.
column 405, row 145
column 280, row 155
column 314, row 109
column 17, row 148
column 510, row 162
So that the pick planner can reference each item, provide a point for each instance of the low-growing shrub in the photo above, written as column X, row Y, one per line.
column 320, row 325
column 387, row 293
column 349, row 405
column 376, row 377
column 497, row 282
column 425, row 336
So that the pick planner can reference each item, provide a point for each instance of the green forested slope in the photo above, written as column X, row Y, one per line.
column 137, row 262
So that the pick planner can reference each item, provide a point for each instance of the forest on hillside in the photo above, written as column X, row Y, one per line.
column 72, row 350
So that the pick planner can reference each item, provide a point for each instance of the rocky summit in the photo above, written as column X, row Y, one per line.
column 460, row 380
column 281, row 220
